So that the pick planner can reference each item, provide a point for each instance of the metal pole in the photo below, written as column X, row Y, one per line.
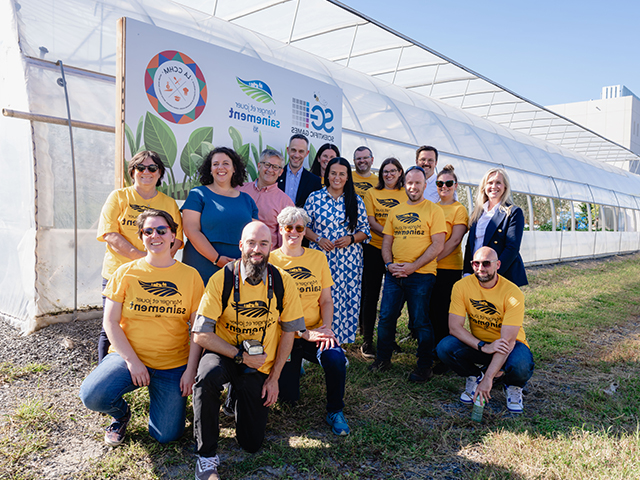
column 63, row 83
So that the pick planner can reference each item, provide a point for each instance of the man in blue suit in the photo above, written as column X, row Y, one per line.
column 298, row 182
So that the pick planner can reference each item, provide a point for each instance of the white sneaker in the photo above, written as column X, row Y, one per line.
column 514, row 398
column 466, row 397
column 207, row 468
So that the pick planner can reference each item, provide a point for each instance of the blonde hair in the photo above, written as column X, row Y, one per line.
column 506, row 201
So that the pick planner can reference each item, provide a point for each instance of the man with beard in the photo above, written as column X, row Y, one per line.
column 233, row 338
column 497, row 342
column 363, row 177
column 413, row 238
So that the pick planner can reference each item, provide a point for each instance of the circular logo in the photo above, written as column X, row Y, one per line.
column 175, row 87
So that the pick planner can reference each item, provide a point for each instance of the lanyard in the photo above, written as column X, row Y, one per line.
column 236, row 299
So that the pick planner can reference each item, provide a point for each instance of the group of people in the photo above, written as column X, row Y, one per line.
column 288, row 267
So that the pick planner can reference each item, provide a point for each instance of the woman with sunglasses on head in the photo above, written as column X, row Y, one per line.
column 215, row 213
column 317, row 344
column 150, row 303
column 338, row 227
column 449, row 269
column 117, row 225
column 378, row 200
column 497, row 223
column 325, row 154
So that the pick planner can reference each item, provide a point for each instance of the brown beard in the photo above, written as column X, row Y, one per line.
column 485, row 278
column 255, row 271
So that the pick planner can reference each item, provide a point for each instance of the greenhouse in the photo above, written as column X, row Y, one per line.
column 59, row 61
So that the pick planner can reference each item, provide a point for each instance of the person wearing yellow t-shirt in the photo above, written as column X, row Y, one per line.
column 318, row 344
column 256, row 318
column 496, row 342
column 363, row 178
column 388, row 193
column 150, row 304
column 413, row 238
column 450, row 259
column 117, row 225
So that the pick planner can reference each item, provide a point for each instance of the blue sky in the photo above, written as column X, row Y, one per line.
column 550, row 52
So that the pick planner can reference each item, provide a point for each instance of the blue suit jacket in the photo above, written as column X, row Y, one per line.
column 308, row 183
column 504, row 235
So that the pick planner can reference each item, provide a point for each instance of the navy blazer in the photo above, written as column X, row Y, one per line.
column 504, row 235
column 309, row 183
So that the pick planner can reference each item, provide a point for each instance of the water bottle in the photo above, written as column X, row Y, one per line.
column 478, row 409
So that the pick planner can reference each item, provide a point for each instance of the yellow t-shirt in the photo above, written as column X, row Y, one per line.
column 254, row 313
column 156, row 306
column 454, row 214
column 119, row 214
column 489, row 308
column 311, row 273
column 378, row 203
column 362, row 184
column 411, row 227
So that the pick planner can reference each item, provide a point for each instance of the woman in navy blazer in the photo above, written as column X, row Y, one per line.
column 497, row 223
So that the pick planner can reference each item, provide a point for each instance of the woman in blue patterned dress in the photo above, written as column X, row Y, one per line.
column 338, row 227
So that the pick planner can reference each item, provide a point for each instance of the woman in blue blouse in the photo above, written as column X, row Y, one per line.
column 214, row 214
column 338, row 227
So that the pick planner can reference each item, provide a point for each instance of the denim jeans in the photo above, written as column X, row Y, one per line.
column 416, row 291
column 104, row 387
column 464, row 360
column 332, row 361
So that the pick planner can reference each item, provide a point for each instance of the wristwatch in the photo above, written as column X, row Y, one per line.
column 480, row 345
column 238, row 358
column 386, row 266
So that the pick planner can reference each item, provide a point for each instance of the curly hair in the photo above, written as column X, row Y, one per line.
column 239, row 176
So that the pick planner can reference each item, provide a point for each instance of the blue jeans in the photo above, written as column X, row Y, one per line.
column 464, row 360
column 103, row 389
column 332, row 361
column 416, row 291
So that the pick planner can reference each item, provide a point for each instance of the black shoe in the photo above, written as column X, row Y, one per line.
column 114, row 435
column 396, row 348
column 441, row 368
column 367, row 350
column 420, row 375
column 380, row 365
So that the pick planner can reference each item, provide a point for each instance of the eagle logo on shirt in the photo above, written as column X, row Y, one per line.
column 254, row 309
column 299, row 273
column 410, row 217
column 484, row 306
column 138, row 208
column 363, row 185
column 161, row 288
column 388, row 202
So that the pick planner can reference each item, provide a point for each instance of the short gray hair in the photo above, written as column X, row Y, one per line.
column 270, row 152
column 290, row 215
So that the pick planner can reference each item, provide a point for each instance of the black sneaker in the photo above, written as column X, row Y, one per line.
column 114, row 435
column 380, row 365
column 367, row 350
column 420, row 375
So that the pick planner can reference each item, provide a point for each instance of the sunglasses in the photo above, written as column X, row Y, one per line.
column 162, row 230
column 484, row 263
column 448, row 183
column 152, row 168
column 299, row 228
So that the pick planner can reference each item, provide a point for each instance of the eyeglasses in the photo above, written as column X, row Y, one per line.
column 392, row 171
column 268, row 166
column 152, row 168
column 484, row 263
column 162, row 230
column 448, row 183
column 299, row 228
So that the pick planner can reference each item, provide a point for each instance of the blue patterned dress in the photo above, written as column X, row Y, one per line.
column 329, row 221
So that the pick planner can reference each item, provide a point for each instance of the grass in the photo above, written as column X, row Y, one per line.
column 580, row 421
column 10, row 372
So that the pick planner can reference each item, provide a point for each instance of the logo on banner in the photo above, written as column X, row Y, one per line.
column 175, row 87
column 314, row 120
column 256, row 89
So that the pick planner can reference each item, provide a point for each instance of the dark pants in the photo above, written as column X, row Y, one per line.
column 332, row 361
column 214, row 371
column 103, row 340
column 439, row 307
column 416, row 291
column 464, row 360
column 372, row 275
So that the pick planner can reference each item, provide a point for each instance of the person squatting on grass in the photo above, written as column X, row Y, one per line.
column 497, row 341
column 229, row 334
column 150, row 302
column 318, row 344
